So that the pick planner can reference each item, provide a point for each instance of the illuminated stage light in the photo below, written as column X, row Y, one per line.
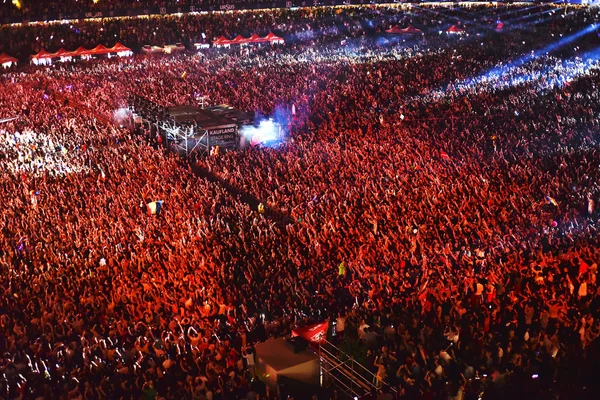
column 266, row 133
column 534, row 54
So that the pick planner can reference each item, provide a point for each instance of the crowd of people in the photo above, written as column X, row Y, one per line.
column 316, row 24
column 441, row 200
column 32, row 8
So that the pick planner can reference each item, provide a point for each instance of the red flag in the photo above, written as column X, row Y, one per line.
column 316, row 333
column 444, row 155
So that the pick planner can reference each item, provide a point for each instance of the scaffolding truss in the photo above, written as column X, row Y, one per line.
column 184, row 138
column 346, row 374
column 181, row 137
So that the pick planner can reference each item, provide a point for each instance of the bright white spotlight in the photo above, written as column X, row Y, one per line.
column 121, row 116
column 267, row 131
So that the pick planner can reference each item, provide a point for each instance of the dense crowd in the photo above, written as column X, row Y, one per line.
column 441, row 197
column 315, row 24
column 32, row 8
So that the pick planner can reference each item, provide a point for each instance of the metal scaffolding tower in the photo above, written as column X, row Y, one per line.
column 345, row 373
column 184, row 138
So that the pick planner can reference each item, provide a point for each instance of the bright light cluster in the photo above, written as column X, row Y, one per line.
column 34, row 153
column 266, row 131
column 545, row 74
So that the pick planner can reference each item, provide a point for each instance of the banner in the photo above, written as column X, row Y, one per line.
column 316, row 333
column 224, row 137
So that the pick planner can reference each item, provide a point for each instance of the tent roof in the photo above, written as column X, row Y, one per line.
column 222, row 40
column 394, row 29
column 257, row 39
column 100, row 49
column 82, row 51
column 239, row 39
column 5, row 58
column 119, row 47
column 454, row 28
column 273, row 37
column 43, row 54
column 64, row 53
column 409, row 29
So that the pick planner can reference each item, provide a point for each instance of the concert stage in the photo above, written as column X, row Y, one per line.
column 190, row 128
